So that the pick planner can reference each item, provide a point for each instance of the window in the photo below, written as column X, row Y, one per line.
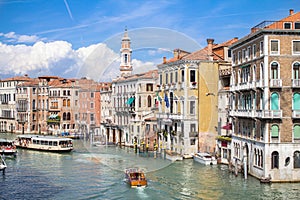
column 297, row 25
column 296, row 132
column 92, row 117
column 297, row 159
column 192, row 107
column 149, row 87
column 296, row 47
column 274, row 47
column 287, row 25
column 92, row 105
column 274, row 101
column 176, row 77
column 239, row 57
column 182, row 76
column 244, row 54
column 275, row 131
column 149, row 101
column 261, row 48
column 167, row 76
column 140, row 101
column 92, row 94
column 160, row 79
column 249, row 52
column 192, row 76
column 275, row 160
column 125, row 58
column 274, row 70
column 229, row 53
column 171, row 77
column 296, row 68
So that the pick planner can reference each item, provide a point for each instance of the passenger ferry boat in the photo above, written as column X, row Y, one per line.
column 7, row 147
column 135, row 177
column 44, row 143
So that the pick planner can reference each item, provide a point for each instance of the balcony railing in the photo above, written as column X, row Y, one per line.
column 295, row 83
column 269, row 114
column 265, row 114
column 275, row 83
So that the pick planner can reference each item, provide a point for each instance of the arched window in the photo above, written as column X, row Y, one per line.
column 274, row 101
column 275, row 160
column 274, row 70
column 149, row 99
column 64, row 116
column 296, row 101
column 64, row 102
column 297, row 159
column 275, row 131
column 68, row 103
column 296, row 70
column 296, row 132
column 68, row 116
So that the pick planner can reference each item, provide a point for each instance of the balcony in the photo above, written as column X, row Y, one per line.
column 260, row 83
column 296, row 83
column 296, row 114
column 246, row 86
column 269, row 114
column 276, row 83
column 243, row 113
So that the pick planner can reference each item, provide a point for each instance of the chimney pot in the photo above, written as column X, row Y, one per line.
column 209, row 48
column 164, row 59
column 291, row 11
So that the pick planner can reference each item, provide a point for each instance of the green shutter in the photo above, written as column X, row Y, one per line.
column 275, row 131
column 297, row 132
column 296, row 101
column 274, row 101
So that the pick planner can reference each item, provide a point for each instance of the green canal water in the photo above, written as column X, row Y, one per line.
column 97, row 173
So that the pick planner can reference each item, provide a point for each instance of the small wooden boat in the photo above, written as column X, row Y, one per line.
column 7, row 147
column 44, row 143
column 2, row 165
column 205, row 158
column 135, row 177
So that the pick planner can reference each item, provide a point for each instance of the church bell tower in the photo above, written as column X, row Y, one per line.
column 126, row 65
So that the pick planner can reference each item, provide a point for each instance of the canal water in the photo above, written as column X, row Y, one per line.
column 97, row 173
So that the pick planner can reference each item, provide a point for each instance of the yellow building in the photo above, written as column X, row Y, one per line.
column 187, row 99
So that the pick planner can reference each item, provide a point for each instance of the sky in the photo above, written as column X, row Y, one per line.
column 80, row 38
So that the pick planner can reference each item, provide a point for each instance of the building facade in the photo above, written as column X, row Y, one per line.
column 264, row 109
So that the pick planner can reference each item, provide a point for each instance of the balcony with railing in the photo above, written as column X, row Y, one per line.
column 276, row 83
column 269, row 114
column 296, row 83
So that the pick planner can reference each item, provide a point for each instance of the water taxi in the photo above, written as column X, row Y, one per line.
column 2, row 165
column 44, row 143
column 7, row 147
column 205, row 158
column 135, row 177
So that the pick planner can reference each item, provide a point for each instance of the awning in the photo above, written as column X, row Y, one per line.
column 227, row 127
column 130, row 100
column 243, row 66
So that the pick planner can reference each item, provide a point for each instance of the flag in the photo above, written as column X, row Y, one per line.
column 158, row 97
column 167, row 101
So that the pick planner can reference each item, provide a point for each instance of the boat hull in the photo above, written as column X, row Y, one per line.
column 45, row 149
column 135, row 178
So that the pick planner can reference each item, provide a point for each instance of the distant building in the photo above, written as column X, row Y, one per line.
column 8, row 103
column 265, row 100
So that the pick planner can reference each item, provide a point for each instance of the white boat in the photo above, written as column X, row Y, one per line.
column 2, row 165
column 44, row 143
column 7, row 147
column 205, row 158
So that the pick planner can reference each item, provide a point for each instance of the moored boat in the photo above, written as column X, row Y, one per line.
column 44, row 143
column 2, row 165
column 135, row 177
column 205, row 158
column 7, row 147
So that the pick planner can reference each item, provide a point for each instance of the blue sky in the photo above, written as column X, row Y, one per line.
column 60, row 35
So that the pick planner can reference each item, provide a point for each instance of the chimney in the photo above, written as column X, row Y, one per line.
column 176, row 53
column 209, row 48
column 291, row 11
column 164, row 59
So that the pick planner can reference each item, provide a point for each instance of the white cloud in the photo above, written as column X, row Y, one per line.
column 96, row 61
column 15, row 38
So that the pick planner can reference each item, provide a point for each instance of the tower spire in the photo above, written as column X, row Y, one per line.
column 126, row 65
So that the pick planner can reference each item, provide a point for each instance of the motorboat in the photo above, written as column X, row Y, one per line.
column 2, row 165
column 7, row 147
column 205, row 158
column 44, row 143
column 135, row 177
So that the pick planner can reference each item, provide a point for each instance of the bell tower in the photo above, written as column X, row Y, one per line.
column 126, row 65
